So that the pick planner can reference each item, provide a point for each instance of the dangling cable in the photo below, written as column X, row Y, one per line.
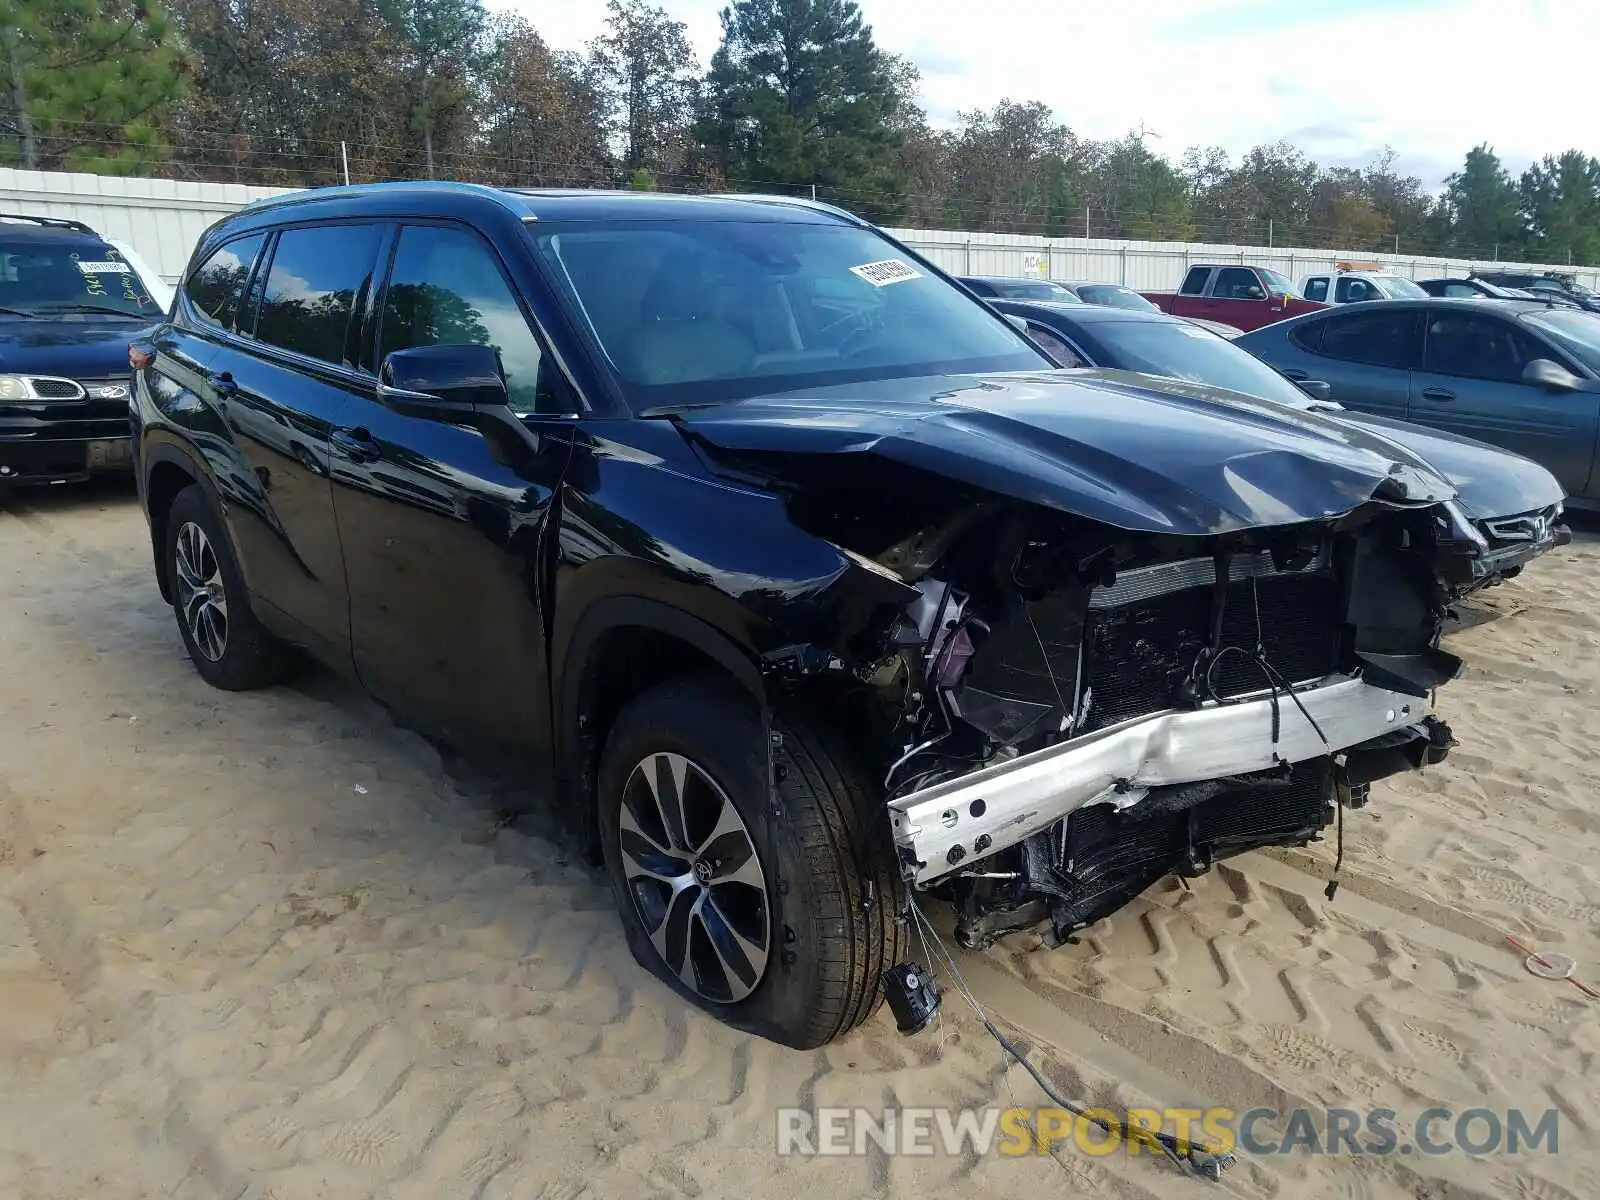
column 1338, row 854
column 1202, row 1160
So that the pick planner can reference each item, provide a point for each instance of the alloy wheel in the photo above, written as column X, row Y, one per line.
column 202, row 596
column 695, row 876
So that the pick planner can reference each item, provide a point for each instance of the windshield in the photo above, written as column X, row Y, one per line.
column 1114, row 296
column 48, row 278
column 709, row 311
column 1188, row 352
column 1575, row 331
column 1400, row 288
column 1278, row 285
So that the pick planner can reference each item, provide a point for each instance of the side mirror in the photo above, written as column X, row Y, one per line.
column 442, row 381
column 1551, row 376
column 1019, row 323
column 1317, row 389
column 1254, row 293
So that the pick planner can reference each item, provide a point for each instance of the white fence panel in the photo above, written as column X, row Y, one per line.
column 1160, row 266
column 162, row 219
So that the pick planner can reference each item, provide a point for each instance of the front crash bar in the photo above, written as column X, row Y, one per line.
column 941, row 828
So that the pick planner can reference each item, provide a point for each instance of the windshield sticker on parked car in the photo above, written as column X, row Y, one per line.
column 885, row 272
column 104, row 268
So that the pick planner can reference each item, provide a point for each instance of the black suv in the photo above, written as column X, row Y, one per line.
column 69, row 306
column 817, row 583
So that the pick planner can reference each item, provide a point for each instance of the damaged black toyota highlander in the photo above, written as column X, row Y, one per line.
column 821, row 587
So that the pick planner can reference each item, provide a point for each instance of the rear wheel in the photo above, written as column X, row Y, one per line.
column 227, row 644
column 781, row 923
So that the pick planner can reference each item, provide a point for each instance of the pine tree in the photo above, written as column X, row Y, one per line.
column 1482, row 203
column 798, row 94
column 89, row 84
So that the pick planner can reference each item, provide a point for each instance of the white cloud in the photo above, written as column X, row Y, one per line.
column 1429, row 77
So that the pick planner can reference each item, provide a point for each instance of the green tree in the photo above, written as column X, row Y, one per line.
column 798, row 93
column 1269, row 193
column 1561, row 202
column 1482, row 205
column 1139, row 194
column 90, row 84
column 649, row 78
column 1016, row 169
column 441, row 50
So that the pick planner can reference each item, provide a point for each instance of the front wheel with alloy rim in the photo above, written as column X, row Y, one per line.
column 226, row 643
column 779, row 922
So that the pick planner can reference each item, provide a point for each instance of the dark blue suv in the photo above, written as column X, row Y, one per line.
column 69, row 307
column 813, row 580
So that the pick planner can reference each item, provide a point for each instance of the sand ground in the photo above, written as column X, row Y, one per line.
column 270, row 945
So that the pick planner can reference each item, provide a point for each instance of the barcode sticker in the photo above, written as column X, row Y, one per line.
column 104, row 268
column 885, row 272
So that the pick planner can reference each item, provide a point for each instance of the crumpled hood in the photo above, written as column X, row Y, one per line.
column 74, row 348
column 1491, row 482
column 1158, row 456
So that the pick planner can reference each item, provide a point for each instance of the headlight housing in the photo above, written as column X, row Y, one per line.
column 21, row 388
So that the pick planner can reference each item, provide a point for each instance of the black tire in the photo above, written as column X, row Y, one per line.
column 250, row 657
column 833, row 898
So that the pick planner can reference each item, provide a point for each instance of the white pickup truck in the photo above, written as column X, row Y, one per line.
column 1349, row 283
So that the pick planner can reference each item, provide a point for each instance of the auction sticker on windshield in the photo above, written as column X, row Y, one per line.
column 885, row 272
column 103, row 268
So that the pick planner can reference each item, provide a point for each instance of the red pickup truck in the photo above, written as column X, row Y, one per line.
column 1245, row 297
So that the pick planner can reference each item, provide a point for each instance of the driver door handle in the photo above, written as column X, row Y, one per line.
column 357, row 445
column 1438, row 393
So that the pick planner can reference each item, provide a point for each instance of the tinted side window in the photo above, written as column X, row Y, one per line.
column 218, row 285
column 1379, row 338
column 1477, row 347
column 1317, row 287
column 446, row 289
column 1195, row 281
column 1236, row 283
column 1308, row 336
column 1459, row 289
column 316, row 274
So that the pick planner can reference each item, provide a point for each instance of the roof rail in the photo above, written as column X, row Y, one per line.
column 50, row 222
column 793, row 202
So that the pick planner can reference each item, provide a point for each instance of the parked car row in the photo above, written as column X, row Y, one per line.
column 1509, row 370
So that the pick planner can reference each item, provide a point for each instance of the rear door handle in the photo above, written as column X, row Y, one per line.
column 356, row 445
column 1438, row 393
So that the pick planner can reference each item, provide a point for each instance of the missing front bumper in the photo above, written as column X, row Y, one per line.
column 942, row 828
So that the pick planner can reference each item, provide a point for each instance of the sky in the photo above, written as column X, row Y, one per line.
column 1340, row 78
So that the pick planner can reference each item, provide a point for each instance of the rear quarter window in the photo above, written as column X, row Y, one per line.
column 216, row 287
column 1309, row 335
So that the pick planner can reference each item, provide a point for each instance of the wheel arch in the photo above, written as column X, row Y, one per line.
column 622, row 646
column 168, row 469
